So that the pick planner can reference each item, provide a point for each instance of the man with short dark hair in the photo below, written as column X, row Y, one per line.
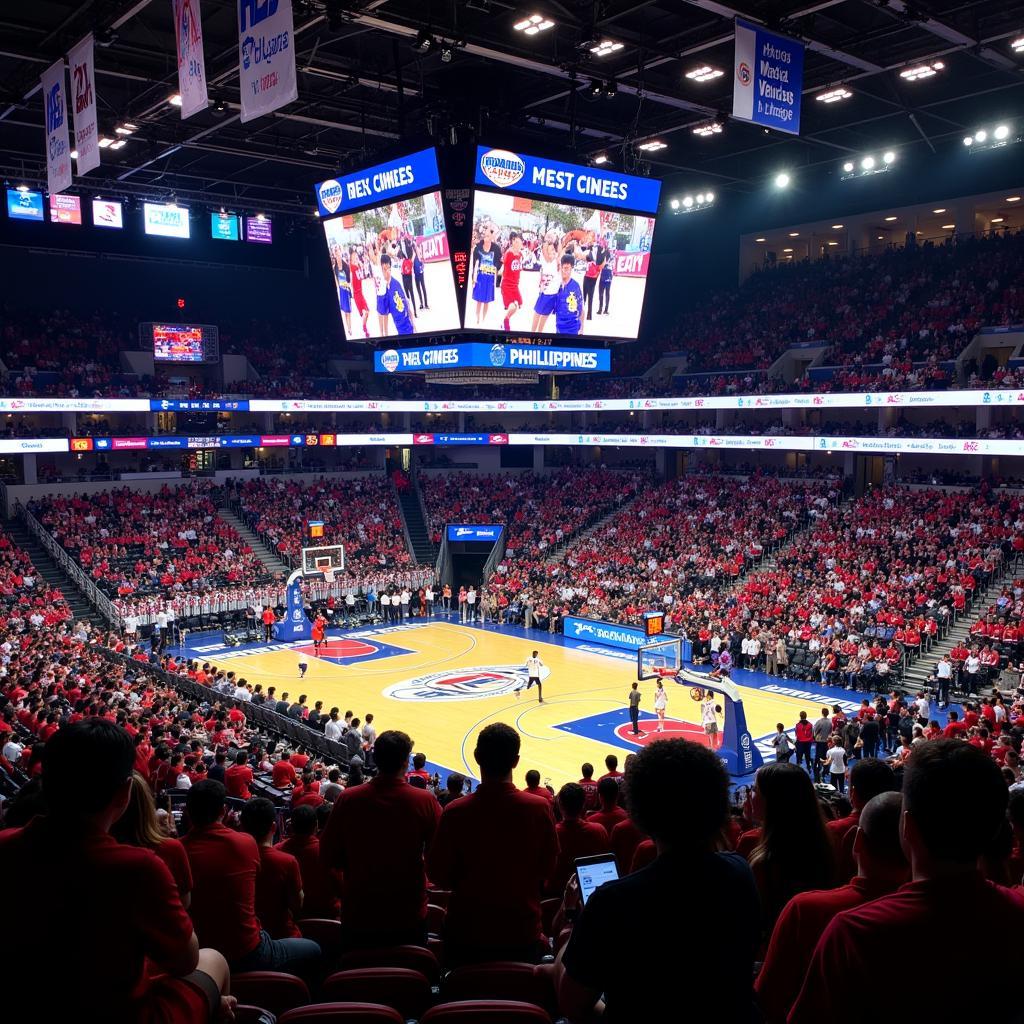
column 881, row 869
column 534, row 788
column 384, row 891
column 279, row 880
column 224, row 869
column 869, row 777
column 494, row 849
column 576, row 836
column 238, row 778
column 609, row 813
column 320, row 886
column 611, row 762
column 954, row 804
column 119, row 936
column 589, row 786
column 453, row 789
column 679, row 796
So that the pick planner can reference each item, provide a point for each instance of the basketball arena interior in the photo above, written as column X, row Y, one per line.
column 511, row 513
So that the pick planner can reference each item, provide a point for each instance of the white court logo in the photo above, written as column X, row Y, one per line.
column 502, row 168
column 464, row 683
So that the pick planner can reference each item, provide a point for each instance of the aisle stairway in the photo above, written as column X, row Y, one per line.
column 273, row 564
column 574, row 538
column 53, row 574
column 411, row 507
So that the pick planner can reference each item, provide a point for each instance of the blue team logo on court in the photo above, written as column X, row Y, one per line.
column 463, row 683
column 498, row 355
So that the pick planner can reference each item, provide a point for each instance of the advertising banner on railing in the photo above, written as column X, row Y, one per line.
column 609, row 634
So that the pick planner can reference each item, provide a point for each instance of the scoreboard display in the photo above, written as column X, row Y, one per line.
column 654, row 623
column 181, row 343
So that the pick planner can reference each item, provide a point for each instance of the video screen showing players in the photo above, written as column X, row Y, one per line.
column 540, row 267
column 392, row 268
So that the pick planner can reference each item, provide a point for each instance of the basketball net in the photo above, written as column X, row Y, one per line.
column 328, row 576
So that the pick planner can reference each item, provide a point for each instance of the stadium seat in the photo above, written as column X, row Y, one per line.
column 342, row 1013
column 414, row 958
column 435, row 918
column 273, row 990
column 407, row 991
column 524, row 983
column 325, row 932
column 490, row 1011
column 246, row 1014
column 438, row 897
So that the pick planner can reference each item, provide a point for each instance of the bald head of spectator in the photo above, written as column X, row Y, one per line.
column 876, row 846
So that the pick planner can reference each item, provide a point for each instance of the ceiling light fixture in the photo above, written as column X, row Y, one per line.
column 705, row 73
column 919, row 71
column 174, row 100
column 782, row 180
column 652, row 146
column 532, row 24
column 605, row 47
column 601, row 158
column 834, row 95
column 837, row 227
column 705, row 131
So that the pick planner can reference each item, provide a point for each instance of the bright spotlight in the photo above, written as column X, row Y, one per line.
column 687, row 201
column 782, row 180
column 981, row 135
column 674, row 204
column 848, row 166
column 700, row 198
column 709, row 196
column 1001, row 132
column 968, row 141
column 867, row 163
column 888, row 157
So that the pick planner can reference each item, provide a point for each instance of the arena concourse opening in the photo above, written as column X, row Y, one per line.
column 511, row 514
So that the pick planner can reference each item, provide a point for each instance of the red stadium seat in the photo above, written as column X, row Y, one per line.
column 415, row 958
column 273, row 990
column 407, row 991
column 342, row 1013
column 245, row 1014
column 490, row 1011
column 438, row 897
column 524, row 983
column 435, row 919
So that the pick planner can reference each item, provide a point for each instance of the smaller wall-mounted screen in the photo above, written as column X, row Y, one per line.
column 259, row 229
column 165, row 221
column 182, row 343
column 107, row 213
column 23, row 204
column 65, row 209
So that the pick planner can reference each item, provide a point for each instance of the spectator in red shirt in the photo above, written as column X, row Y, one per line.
column 881, row 869
column 494, row 849
column 869, row 777
column 138, row 958
column 534, row 788
column 955, row 729
column 384, row 890
column 224, row 869
column 283, row 773
column 576, row 837
column 625, row 838
column 609, row 813
column 419, row 768
column 954, row 804
column 611, row 762
column 278, row 881
column 238, row 778
column 320, row 886
column 589, row 786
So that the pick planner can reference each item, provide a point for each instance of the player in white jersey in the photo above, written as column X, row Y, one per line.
column 534, row 666
column 548, row 283
column 660, row 704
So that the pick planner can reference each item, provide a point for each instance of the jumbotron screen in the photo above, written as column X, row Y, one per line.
column 558, row 248
column 184, row 343
column 388, row 245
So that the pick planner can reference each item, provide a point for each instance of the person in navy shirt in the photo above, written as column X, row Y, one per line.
column 394, row 299
column 569, row 301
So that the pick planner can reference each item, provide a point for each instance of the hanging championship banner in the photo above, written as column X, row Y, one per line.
column 188, row 33
column 83, row 92
column 266, row 56
column 768, row 78
column 58, row 151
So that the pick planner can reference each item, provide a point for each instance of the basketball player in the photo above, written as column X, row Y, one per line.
column 341, row 276
column 395, row 300
column 356, row 278
column 380, row 285
column 533, row 669
column 319, row 624
column 483, row 268
column 569, row 300
column 511, row 267
column 547, row 284
column 660, row 703
column 709, row 718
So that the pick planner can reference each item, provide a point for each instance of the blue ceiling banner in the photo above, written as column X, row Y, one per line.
column 542, row 358
column 416, row 172
column 572, row 183
column 768, row 78
column 474, row 532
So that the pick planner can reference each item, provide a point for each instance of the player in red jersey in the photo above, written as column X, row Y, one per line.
column 355, row 277
column 511, row 267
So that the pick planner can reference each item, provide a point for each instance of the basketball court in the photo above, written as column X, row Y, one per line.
column 442, row 682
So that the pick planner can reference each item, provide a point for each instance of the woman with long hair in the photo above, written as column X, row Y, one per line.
column 794, row 853
column 139, row 826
